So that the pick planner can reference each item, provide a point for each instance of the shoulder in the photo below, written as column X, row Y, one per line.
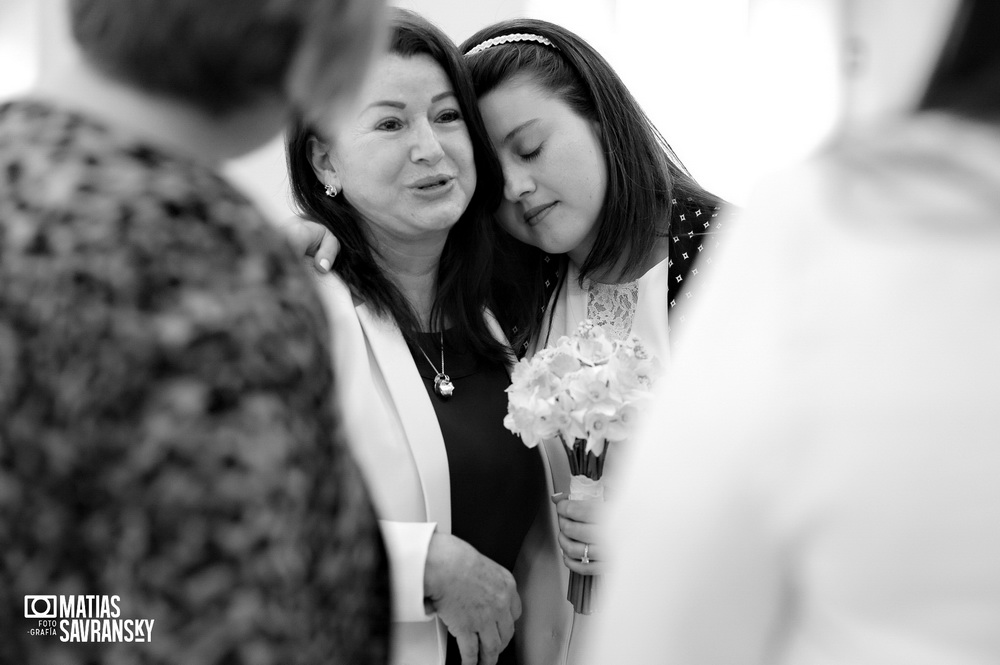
column 697, row 230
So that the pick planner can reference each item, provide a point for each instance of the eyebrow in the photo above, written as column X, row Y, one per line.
column 512, row 133
column 400, row 105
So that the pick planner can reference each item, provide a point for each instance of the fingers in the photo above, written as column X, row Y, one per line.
column 489, row 646
column 468, row 647
column 574, row 549
column 592, row 568
column 506, row 631
column 327, row 252
column 298, row 233
column 309, row 238
column 506, row 627
column 475, row 597
column 584, row 533
column 581, row 510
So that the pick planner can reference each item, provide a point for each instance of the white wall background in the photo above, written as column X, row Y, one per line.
column 683, row 59
column 738, row 87
column 19, row 51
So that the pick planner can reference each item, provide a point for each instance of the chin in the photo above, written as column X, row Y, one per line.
column 551, row 245
column 445, row 221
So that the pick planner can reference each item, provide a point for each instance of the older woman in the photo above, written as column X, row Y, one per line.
column 169, row 455
column 406, row 188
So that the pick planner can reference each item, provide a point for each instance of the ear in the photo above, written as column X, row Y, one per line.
column 322, row 165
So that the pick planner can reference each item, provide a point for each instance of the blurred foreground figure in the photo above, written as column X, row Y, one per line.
column 170, row 466
column 828, row 491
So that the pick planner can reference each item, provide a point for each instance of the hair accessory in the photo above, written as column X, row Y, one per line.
column 330, row 191
column 507, row 39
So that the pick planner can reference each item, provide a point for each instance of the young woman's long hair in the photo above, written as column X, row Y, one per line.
column 645, row 176
column 465, row 270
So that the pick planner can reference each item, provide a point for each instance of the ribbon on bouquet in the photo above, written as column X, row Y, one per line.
column 582, row 487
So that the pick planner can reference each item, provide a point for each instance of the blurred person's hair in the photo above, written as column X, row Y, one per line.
column 966, row 78
column 221, row 55
column 466, row 262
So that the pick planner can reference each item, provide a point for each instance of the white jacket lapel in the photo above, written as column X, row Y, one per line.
column 415, row 412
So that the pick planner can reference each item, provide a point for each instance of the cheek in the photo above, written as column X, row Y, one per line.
column 600, row 176
column 360, row 173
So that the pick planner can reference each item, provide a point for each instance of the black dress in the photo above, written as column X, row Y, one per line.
column 497, row 483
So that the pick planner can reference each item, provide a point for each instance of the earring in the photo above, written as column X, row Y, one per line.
column 330, row 191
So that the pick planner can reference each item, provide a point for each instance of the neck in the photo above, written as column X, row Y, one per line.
column 616, row 274
column 167, row 122
column 413, row 265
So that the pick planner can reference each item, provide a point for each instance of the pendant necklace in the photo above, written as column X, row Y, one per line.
column 442, row 382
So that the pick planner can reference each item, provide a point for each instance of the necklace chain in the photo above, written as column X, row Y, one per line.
column 442, row 382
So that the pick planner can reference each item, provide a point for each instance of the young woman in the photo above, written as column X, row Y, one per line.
column 587, row 178
column 614, row 222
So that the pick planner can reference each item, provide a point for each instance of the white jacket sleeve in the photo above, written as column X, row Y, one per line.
column 406, row 544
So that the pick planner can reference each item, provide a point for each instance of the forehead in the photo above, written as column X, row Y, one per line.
column 516, row 92
column 394, row 77
column 517, row 100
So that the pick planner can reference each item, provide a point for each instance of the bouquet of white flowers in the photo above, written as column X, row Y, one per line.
column 587, row 390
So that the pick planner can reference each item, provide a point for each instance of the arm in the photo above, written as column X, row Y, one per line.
column 310, row 238
column 407, row 545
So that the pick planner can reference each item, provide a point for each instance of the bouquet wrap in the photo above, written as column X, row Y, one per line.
column 582, row 487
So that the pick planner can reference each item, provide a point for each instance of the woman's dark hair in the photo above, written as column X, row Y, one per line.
column 645, row 176
column 465, row 271
column 221, row 55
column 966, row 79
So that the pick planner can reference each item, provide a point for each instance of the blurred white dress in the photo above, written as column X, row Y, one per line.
column 822, row 483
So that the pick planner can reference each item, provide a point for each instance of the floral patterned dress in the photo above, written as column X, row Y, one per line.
column 166, row 425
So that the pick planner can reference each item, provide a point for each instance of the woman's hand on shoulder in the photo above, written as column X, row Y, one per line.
column 581, row 532
column 474, row 596
column 309, row 238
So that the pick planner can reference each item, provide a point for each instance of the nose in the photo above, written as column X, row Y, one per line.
column 426, row 146
column 517, row 182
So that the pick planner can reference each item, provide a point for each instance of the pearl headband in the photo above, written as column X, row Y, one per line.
column 506, row 39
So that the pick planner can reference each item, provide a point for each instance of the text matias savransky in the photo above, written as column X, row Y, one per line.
column 86, row 618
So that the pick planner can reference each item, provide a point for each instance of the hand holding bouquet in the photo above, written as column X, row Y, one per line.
column 587, row 390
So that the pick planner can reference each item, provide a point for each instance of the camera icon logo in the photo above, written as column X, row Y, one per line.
column 41, row 607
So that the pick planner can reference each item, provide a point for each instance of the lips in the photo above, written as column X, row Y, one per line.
column 535, row 215
column 430, row 182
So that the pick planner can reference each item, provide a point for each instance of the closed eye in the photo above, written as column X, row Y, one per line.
column 533, row 154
